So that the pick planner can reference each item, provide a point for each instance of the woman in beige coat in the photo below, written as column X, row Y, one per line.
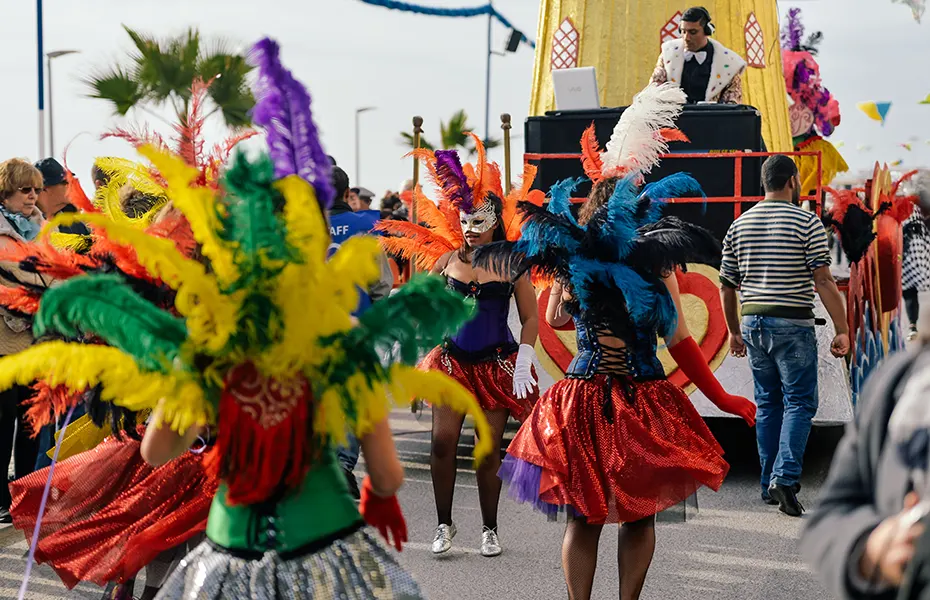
column 20, row 222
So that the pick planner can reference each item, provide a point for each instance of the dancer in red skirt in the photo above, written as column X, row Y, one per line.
column 110, row 513
column 615, row 442
column 484, row 356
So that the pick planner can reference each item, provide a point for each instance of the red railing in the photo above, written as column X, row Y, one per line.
column 737, row 198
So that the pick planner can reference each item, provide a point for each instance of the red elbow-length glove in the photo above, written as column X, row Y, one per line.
column 383, row 514
column 692, row 363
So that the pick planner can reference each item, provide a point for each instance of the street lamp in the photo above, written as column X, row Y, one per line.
column 51, row 119
column 359, row 111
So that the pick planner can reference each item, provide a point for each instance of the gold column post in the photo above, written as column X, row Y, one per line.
column 417, row 131
column 506, row 126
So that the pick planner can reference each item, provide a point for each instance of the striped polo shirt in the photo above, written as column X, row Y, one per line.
column 769, row 254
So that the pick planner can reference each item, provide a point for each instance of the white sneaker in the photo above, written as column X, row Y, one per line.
column 442, row 542
column 490, row 545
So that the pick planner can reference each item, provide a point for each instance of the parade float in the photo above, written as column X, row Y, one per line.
column 786, row 109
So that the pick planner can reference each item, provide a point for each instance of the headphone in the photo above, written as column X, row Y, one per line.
column 708, row 26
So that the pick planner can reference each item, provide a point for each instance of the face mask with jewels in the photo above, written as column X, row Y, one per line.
column 480, row 221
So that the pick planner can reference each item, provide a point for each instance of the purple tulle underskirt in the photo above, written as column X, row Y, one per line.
column 523, row 479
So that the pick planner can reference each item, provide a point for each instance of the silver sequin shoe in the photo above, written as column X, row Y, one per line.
column 442, row 542
column 490, row 544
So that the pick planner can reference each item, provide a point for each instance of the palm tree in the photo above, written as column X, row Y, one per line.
column 162, row 71
column 453, row 134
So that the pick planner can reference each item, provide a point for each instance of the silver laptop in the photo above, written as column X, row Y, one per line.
column 575, row 89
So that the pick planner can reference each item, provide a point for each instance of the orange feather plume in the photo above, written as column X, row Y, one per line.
column 413, row 242
column 19, row 299
column 591, row 155
column 430, row 215
column 480, row 188
column 674, row 135
column 176, row 228
column 57, row 263
column 492, row 179
column 48, row 402
column 510, row 215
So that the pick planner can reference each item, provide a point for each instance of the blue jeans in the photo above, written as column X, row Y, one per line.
column 783, row 357
column 348, row 454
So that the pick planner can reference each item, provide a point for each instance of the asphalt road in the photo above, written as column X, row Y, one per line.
column 732, row 548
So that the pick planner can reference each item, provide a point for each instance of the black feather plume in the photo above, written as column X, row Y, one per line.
column 669, row 243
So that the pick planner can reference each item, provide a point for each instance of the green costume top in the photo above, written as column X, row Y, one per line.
column 321, row 508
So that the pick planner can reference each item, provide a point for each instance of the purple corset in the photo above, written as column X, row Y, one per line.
column 489, row 329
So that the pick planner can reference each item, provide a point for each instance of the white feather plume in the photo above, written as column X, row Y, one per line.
column 636, row 143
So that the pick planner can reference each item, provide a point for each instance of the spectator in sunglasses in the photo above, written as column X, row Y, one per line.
column 20, row 222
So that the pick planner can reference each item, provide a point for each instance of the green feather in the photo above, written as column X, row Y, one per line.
column 418, row 317
column 103, row 305
column 253, row 209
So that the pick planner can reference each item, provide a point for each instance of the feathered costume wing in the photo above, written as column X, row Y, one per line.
column 260, row 341
column 627, row 246
column 461, row 188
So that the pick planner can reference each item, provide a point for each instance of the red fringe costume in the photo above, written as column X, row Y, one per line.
column 109, row 513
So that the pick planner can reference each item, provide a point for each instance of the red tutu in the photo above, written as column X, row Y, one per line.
column 488, row 380
column 109, row 513
column 656, row 453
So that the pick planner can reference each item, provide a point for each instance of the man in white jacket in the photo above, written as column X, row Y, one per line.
column 704, row 68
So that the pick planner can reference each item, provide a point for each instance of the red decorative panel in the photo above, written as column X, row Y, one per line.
column 755, row 43
column 565, row 43
column 671, row 30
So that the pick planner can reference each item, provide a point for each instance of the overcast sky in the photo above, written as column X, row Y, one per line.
column 350, row 55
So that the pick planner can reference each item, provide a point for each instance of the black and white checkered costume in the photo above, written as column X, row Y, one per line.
column 916, row 267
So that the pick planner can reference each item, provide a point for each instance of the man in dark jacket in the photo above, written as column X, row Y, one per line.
column 54, row 198
column 343, row 224
column 862, row 537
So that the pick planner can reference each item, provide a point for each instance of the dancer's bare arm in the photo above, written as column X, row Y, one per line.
column 556, row 316
column 162, row 444
column 384, row 468
column 681, row 331
column 525, row 296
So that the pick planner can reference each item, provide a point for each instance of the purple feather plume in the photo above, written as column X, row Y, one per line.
column 793, row 31
column 283, row 110
column 453, row 181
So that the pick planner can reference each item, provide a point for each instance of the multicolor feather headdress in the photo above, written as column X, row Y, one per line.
column 802, row 74
column 461, row 188
column 260, row 340
column 640, row 137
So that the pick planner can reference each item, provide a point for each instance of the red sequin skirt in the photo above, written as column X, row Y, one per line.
column 109, row 513
column 491, row 381
column 616, row 458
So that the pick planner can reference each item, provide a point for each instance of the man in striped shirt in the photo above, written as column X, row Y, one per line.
column 776, row 255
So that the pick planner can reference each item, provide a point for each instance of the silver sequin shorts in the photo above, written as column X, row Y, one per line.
column 356, row 567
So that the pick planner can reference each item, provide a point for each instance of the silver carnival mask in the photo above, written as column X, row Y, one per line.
column 482, row 220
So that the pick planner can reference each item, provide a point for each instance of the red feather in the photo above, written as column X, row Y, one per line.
column 591, row 155
column 190, row 129
column 175, row 227
column 842, row 200
column 75, row 192
column 137, row 137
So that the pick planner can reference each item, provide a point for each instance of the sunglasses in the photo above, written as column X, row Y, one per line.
column 29, row 190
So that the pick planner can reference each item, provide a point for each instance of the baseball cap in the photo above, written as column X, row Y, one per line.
column 52, row 172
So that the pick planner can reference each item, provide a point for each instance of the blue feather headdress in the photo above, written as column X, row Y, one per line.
column 622, row 252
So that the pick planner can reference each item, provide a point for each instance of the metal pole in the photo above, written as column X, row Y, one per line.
column 506, row 125
column 358, row 174
column 51, row 114
column 487, row 80
column 41, row 82
column 417, row 130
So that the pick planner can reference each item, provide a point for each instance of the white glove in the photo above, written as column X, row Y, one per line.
column 523, row 380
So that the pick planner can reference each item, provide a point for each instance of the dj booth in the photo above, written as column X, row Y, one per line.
column 714, row 130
